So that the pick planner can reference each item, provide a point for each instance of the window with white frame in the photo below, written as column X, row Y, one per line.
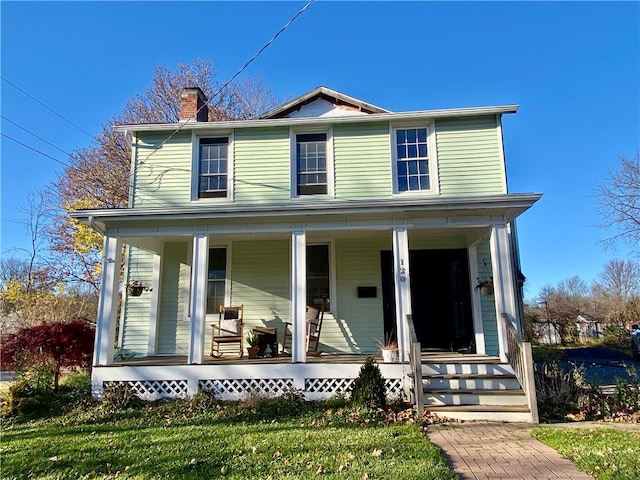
column 216, row 279
column 311, row 164
column 213, row 159
column 412, row 159
column 318, row 279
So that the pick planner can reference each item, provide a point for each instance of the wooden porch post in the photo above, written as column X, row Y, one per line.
column 402, row 287
column 298, row 296
column 198, row 298
column 108, row 302
column 503, row 280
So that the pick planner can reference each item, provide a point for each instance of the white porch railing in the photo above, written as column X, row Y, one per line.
column 521, row 360
column 415, row 359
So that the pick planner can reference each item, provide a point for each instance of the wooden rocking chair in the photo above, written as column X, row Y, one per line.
column 314, row 317
column 228, row 329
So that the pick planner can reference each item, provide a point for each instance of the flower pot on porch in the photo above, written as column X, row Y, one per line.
column 389, row 356
column 486, row 290
column 135, row 288
column 253, row 352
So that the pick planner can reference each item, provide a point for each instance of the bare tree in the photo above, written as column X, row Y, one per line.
column 619, row 202
column 99, row 175
column 619, row 281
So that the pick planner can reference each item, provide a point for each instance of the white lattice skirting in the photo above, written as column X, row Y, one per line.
column 236, row 382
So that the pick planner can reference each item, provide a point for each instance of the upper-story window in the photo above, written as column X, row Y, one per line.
column 412, row 160
column 213, row 160
column 311, row 163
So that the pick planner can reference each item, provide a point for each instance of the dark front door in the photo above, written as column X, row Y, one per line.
column 440, row 297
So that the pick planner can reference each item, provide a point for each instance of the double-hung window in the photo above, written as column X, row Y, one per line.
column 216, row 279
column 412, row 159
column 311, row 163
column 213, row 160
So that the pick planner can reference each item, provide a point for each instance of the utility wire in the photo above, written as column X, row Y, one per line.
column 206, row 104
column 47, row 107
column 35, row 150
column 35, row 135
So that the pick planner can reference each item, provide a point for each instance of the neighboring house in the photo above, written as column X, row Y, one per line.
column 384, row 216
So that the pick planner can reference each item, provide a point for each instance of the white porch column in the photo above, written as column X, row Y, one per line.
column 402, row 287
column 152, row 342
column 198, row 298
column 503, row 281
column 299, row 296
column 108, row 302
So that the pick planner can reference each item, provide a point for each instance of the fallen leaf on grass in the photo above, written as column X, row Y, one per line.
column 277, row 455
column 320, row 470
column 376, row 452
column 54, row 459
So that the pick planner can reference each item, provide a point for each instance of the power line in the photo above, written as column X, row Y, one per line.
column 35, row 135
column 206, row 104
column 47, row 107
column 36, row 150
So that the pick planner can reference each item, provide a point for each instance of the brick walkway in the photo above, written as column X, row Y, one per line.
column 486, row 450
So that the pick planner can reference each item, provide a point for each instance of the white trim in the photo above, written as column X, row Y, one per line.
column 374, row 117
column 432, row 159
column 293, row 172
column 198, row 298
column 154, row 311
column 502, row 156
column 402, row 287
column 108, row 302
column 195, row 165
column 503, row 280
column 476, row 302
column 298, row 296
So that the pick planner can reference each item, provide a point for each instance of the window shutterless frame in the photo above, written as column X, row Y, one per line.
column 212, row 167
column 311, row 163
column 414, row 159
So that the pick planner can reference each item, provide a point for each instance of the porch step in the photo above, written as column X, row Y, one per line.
column 503, row 413
column 480, row 388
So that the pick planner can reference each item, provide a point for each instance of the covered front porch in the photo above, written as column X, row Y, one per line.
column 373, row 279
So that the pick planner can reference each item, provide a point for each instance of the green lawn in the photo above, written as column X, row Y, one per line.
column 152, row 444
column 607, row 453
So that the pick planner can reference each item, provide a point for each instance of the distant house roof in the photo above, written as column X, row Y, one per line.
column 337, row 99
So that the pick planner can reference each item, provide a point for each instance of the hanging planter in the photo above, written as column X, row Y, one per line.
column 485, row 286
column 136, row 287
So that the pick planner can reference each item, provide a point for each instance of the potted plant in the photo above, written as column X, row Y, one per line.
column 136, row 287
column 389, row 350
column 485, row 286
column 252, row 340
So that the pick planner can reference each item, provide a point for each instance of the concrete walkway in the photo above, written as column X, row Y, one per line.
column 492, row 450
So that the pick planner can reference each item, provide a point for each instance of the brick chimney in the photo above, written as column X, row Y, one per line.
column 191, row 101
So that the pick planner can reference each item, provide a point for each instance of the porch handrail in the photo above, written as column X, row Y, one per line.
column 416, row 365
column 521, row 360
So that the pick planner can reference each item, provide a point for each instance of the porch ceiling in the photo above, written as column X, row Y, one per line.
column 229, row 219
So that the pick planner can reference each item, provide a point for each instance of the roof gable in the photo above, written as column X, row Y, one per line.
column 323, row 102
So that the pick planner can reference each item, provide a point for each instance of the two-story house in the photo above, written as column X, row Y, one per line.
column 393, row 220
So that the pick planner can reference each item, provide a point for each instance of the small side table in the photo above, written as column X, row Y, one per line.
column 267, row 336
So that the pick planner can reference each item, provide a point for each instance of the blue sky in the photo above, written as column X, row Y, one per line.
column 573, row 67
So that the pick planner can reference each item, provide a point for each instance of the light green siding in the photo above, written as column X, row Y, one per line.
column 362, row 161
column 359, row 322
column 135, row 325
column 262, row 165
column 173, row 330
column 487, row 302
column 260, row 281
column 162, row 177
column 470, row 156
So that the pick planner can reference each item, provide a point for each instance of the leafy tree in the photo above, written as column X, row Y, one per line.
column 50, row 346
column 619, row 201
column 98, row 176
